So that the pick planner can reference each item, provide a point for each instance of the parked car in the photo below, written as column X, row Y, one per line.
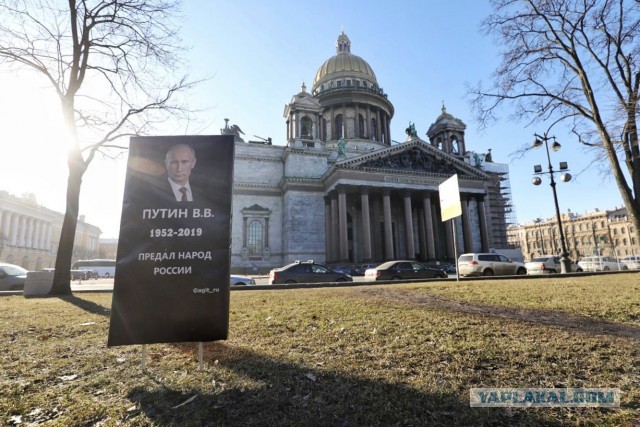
column 601, row 263
column 236, row 280
column 448, row 268
column 488, row 264
column 632, row 262
column 548, row 264
column 344, row 269
column 402, row 270
column 306, row 272
column 12, row 277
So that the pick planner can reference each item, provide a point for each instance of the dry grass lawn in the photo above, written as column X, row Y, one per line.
column 363, row 356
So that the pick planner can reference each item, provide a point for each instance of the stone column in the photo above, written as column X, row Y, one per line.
column 344, row 121
column 332, row 125
column 448, row 227
column 30, row 226
column 342, row 212
column 484, row 233
column 376, row 237
column 408, row 225
column 41, row 227
column 366, row 225
column 388, row 231
column 13, row 229
column 367, row 126
column 466, row 225
column 378, row 126
column 428, row 223
column 328, row 241
column 22, row 230
column 335, row 240
column 4, row 225
column 356, row 120
column 422, row 233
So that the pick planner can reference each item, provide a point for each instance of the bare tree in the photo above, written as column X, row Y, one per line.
column 573, row 61
column 111, row 63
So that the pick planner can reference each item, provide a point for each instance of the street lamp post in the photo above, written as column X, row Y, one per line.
column 565, row 262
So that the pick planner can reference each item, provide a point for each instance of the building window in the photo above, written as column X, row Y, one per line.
column 455, row 146
column 255, row 237
column 256, row 233
column 374, row 130
column 337, row 131
column 306, row 128
column 360, row 126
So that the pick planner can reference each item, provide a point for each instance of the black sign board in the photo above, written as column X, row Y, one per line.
column 172, row 268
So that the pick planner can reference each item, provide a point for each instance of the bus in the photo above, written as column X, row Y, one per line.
column 104, row 267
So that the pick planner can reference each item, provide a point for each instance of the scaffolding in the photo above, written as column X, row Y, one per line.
column 502, row 213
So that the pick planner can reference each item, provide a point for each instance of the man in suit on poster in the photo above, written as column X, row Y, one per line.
column 179, row 162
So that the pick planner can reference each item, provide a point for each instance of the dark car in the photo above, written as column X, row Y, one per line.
column 403, row 270
column 344, row 270
column 306, row 272
column 12, row 277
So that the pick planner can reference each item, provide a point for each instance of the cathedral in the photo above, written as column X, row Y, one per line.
column 340, row 191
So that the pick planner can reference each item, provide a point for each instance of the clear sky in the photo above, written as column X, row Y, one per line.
column 257, row 55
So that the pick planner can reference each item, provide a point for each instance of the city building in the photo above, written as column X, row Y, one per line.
column 108, row 249
column 607, row 233
column 30, row 233
column 341, row 191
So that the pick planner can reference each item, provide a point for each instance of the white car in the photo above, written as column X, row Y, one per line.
column 548, row 264
column 488, row 264
column 237, row 280
column 632, row 262
column 601, row 263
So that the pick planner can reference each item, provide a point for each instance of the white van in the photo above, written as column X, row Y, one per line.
column 632, row 262
column 601, row 263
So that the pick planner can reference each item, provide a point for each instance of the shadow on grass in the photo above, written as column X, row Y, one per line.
column 88, row 306
column 552, row 318
column 278, row 393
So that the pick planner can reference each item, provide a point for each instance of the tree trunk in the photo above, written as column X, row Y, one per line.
column 62, row 275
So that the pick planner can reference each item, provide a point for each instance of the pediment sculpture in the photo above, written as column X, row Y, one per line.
column 413, row 160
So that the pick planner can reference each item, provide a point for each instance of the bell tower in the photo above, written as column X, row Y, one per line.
column 447, row 134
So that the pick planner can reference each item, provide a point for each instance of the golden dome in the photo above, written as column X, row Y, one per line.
column 344, row 65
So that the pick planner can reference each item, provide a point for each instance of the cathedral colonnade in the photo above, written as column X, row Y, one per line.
column 373, row 224
column 349, row 121
column 21, row 230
